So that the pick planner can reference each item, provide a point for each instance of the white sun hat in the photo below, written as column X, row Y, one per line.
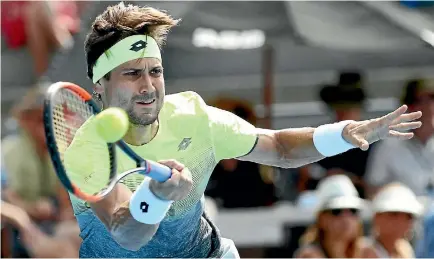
column 338, row 192
column 397, row 198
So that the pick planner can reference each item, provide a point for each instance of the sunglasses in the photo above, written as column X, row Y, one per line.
column 337, row 212
column 397, row 213
column 425, row 98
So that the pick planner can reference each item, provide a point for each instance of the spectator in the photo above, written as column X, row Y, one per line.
column 63, row 243
column 425, row 244
column 32, row 184
column 346, row 101
column 5, row 231
column 237, row 184
column 338, row 228
column 42, row 26
column 395, row 207
column 409, row 162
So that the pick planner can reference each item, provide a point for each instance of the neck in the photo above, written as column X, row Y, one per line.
column 335, row 249
column 343, row 115
column 388, row 244
column 138, row 135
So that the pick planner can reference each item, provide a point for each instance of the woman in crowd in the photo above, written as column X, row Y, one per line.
column 395, row 207
column 338, row 228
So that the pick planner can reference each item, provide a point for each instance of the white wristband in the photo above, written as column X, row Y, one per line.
column 328, row 139
column 147, row 208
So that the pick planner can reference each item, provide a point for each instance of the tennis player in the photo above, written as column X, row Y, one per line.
column 183, row 132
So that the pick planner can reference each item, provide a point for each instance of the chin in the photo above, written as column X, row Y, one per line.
column 143, row 119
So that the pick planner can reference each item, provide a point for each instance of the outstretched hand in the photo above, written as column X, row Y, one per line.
column 393, row 125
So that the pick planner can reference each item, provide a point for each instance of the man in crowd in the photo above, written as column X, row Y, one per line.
column 409, row 162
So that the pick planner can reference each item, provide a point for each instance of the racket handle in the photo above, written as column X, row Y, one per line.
column 157, row 171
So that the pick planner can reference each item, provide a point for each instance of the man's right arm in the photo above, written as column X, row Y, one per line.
column 88, row 153
column 114, row 212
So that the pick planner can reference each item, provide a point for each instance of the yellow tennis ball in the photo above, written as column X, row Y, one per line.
column 112, row 124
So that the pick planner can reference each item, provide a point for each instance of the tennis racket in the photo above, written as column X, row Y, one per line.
column 67, row 107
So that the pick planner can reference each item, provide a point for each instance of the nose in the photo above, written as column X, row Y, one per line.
column 145, row 85
column 347, row 213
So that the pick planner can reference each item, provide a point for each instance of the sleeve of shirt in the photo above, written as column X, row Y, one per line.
column 231, row 135
column 377, row 172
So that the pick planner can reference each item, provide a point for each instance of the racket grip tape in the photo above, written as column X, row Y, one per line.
column 147, row 208
column 157, row 171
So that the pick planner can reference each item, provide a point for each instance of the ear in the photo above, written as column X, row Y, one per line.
column 98, row 88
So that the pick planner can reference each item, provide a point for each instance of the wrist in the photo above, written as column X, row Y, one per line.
column 146, row 207
column 329, row 139
column 154, row 191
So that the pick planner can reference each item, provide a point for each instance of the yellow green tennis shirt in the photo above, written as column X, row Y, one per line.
column 195, row 134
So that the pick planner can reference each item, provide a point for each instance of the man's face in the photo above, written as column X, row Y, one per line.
column 425, row 104
column 137, row 87
column 352, row 112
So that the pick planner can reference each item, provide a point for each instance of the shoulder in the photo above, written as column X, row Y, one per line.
column 13, row 145
column 405, row 248
column 187, row 95
column 184, row 98
column 309, row 251
column 11, row 142
column 184, row 104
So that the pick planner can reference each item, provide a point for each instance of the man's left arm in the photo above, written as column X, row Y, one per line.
column 286, row 148
column 297, row 147
column 234, row 137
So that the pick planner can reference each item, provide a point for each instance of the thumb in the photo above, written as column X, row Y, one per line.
column 361, row 143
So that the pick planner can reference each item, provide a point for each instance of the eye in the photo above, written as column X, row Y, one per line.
column 156, row 71
column 132, row 73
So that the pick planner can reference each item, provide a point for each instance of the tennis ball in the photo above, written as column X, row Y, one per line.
column 112, row 124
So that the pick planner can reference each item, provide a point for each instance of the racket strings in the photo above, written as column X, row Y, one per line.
column 70, row 111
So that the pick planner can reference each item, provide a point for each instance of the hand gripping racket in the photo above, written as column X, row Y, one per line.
column 67, row 107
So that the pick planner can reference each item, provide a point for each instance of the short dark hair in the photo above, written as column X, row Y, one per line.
column 120, row 21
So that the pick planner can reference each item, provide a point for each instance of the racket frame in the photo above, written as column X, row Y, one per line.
column 143, row 166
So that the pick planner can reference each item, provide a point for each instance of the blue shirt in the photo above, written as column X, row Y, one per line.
column 196, row 237
column 425, row 246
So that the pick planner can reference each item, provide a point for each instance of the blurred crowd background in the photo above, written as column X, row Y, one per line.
column 276, row 64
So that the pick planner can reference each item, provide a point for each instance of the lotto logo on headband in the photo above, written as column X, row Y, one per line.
column 130, row 48
column 139, row 45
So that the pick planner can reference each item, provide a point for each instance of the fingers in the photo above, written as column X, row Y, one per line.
column 176, row 188
column 172, row 163
column 178, row 177
column 406, row 126
column 401, row 135
column 395, row 114
column 409, row 117
column 361, row 143
column 174, row 179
